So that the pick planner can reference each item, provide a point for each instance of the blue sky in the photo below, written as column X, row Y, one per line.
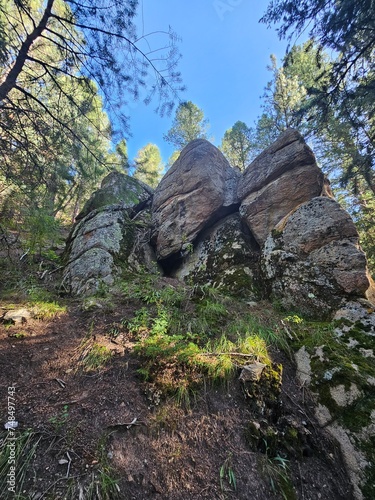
column 225, row 53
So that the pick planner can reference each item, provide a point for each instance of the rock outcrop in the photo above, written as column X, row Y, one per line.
column 340, row 373
column 198, row 190
column 276, row 182
column 225, row 256
column 312, row 259
column 109, row 236
column 117, row 188
column 273, row 232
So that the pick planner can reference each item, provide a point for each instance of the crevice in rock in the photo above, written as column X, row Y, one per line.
column 138, row 208
column 170, row 264
column 97, row 246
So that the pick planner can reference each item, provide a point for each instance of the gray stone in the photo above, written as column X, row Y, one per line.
column 225, row 256
column 252, row 372
column 315, row 224
column 117, row 188
column 110, row 238
column 312, row 259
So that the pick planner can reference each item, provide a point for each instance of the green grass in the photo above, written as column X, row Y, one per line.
column 95, row 358
column 276, row 469
column 227, row 475
column 187, row 335
column 47, row 310
column 17, row 449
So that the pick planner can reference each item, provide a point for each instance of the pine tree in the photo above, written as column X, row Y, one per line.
column 189, row 124
column 149, row 165
column 238, row 145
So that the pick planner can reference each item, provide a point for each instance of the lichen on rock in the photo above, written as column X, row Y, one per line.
column 312, row 260
column 109, row 238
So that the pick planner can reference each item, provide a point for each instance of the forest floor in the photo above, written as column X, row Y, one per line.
column 91, row 427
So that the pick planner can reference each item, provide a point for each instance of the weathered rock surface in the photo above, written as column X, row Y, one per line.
column 341, row 376
column 312, row 259
column 289, row 240
column 108, row 237
column 117, row 188
column 263, row 209
column 277, row 181
column 199, row 189
column 225, row 256
column 17, row 316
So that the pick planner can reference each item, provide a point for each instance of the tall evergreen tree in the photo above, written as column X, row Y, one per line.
column 73, row 48
column 188, row 124
column 149, row 165
column 238, row 145
column 174, row 156
column 347, row 29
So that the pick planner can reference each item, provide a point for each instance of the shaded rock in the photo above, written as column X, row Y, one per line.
column 225, row 256
column 277, row 181
column 199, row 189
column 303, row 361
column 342, row 382
column 117, row 188
column 312, row 259
column 108, row 240
column 252, row 372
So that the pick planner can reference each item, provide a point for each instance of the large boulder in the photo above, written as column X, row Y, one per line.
column 312, row 259
column 225, row 256
column 109, row 238
column 284, row 176
column 117, row 188
column 199, row 189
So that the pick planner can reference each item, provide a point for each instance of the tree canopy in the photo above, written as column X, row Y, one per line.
column 149, row 165
column 61, row 63
column 188, row 124
column 237, row 145
column 347, row 95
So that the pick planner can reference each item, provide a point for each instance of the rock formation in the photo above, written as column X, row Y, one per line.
column 313, row 256
column 274, row 232
column 276, row 182
column 199, row 189
column 112, row 230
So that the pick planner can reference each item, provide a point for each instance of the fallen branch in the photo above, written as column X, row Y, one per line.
column 127, row 425
column 240, row 354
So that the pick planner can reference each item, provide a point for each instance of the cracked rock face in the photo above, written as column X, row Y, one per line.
column 312, row 259
column 199, row 189
column 277, row 181
column 110, row 235
column 273, row 232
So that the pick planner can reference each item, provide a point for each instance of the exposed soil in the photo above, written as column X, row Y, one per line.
column 111, row 420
